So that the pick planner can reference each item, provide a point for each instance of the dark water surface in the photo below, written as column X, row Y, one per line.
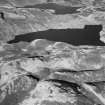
column 59, row 9
column 87, row 36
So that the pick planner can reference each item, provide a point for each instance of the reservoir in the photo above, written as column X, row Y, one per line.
column 59, row 9
column 87, row 36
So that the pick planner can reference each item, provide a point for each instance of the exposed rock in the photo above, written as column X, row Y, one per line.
column 48, row 72
column 56, row 61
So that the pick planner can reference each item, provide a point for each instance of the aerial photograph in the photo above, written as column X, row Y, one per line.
column 52, row 52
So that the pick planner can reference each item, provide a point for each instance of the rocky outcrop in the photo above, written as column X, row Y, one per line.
column 52, row 72
column 47, row 72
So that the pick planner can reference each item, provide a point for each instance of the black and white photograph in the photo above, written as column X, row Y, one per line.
column 52, row 52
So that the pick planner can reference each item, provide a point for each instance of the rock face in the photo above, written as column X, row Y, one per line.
column 42, row 71
column 48, row 72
